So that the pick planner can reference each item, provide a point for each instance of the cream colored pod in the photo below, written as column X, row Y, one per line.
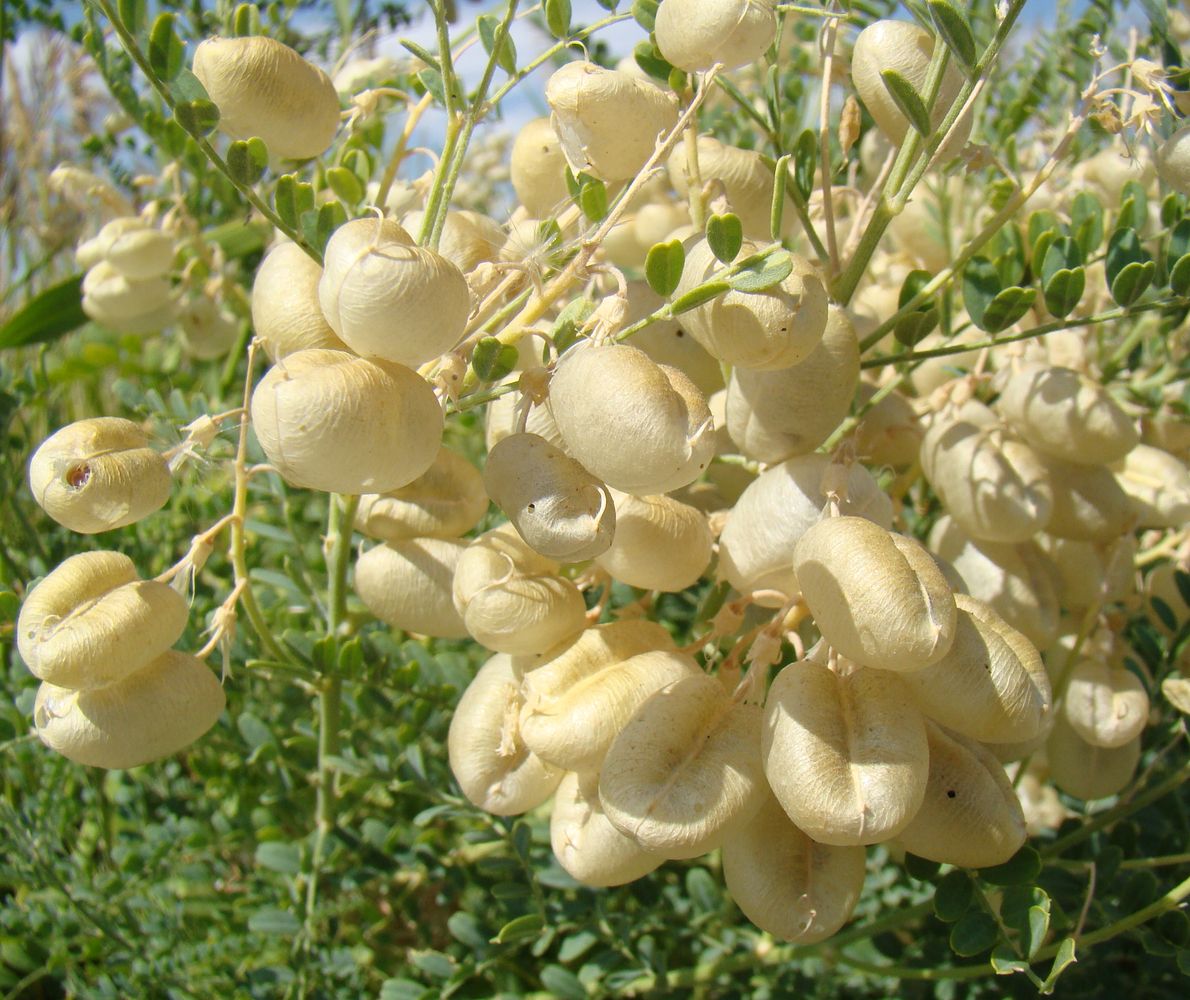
column 117, row 301
column 407, row 585
column 878, row 598
column 468, row 238
column 492, row 765
column 135, row 249
column 208, row 330
column 747, row 181
column 328, row 420
column 686, row 769
column 264, row 88
column 668, row 344
column 98, row 474
column 660, row 543
column 445, row 501
column 1092, row 573
column 1085, row 770
column 388, row 298
column 608, row 122
column 1173, row 160
column 695, row 34
column 1089, row 504
column 1157, row 486
column 762, row 330
column 286, row 314
column 638, row 426
column 557, row 506
column 91, row 622
column 1107, row 706
column 844, row 751
column 889, row 433
column 538, row 169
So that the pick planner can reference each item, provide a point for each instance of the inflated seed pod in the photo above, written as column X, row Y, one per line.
column 970, row 816
column 92, row 622
column 502, row 420
column 587, row 846
column 538, row 169
column 468, row 238
column 638, row 426
column 445, row 501
column 991, row 685
column 112, row 298
column 1084, row 770
column 492, row 765
column 756, row 547
column 889, row 433
column 388, row 298
column 660, row 543
column 775, row 415
column 328, row 420
column 90, row 252
column 747, row 181
column 208, row 329
column 1107, row 706
column 135, row 249
column 556, row 505
column 98, row 474
column 685, row 770
column 1157, row 486
column 668, row 344
column 264, row 88
column 877, row 597
column 407, row 585
column 1162, row 584
column 150, row 714
column 1089, row 504
column 1110, row 169
column 1089, row 573
column 788, row 884
column 695, row 34
column 844, row 751
column 607, row 122
column 286, row 314
column 1173, row 160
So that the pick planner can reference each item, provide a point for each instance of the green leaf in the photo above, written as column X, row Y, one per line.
column 955, row 31
column 914, row 326
column 1064, row 959
column 47, row 316
column 1179, row 276
column 496, row 42
column 907, row 99
column 133, row 13
column 403, row 989
column 1179, row 240
column 592, row 198
column 761, row 272
column 424, row 54
column 1063, row 254
column 954, row 896
column 725, row 236
column 248, row 160
column 431, row 79
column 702, row 890
column 1130, row 284
column 433, row 963
column 285, row 200
column 1064, row 291
column 465, row 928
column 166, row 51
column 1134, row 207
column 1026, row 910
column 199, row 118
column 346, row 185
column 185, row 86
column 1086, row 222
column 577, row 945
column 698, row 296
column 1006, row 308
column 663, row 267
column 922, row 869
column 644, row 12
column 649, row 58
column 273, row 921
column 1006, row 962
column 777, row 212
column 805, row 162
column 492, row 360
column 524, row 928
column 981, row 284
column 1021, row 869
column 974, row 933
column 557, row 17
column 279, row 856
column 563, row 983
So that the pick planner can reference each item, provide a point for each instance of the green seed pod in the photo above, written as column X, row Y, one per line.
column 660, row 543
column 1157, row 486
column 407, row 585
column 1089, row 504
column 1173, row 161
column 1107, row 706
column 538, row 169
column 286, row 314
column 747, row 182
column 98, row 474
column 695, row 34
column 1087, row 771
column 445, row 501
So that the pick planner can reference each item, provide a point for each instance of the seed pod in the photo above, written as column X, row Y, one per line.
column 407, row 585
column 660, row 543
column 1107, row 706
column 1106, row 173
column 286, row 314
column 111, row 298
column 668, row 344
column 1090, row 573
column 756, row 547
column 91, row 622
column 492, row 765
column 388, row 298
column 638, row 426
column 877, row 597
column 844, row 752
column 1084, row 770
column 538, row 169
column 889, row 433
column 685, row 770
column 607, row 122
column 1173, row 160
column 502, row 421
column 1162, row 584
column 695, row 34
column 1157, row 486
column 970, row 816
column 1089, row 504
column 208, row 330
column 775, row 415
column 556, row 505
column 747, row 182
column 264, row 88
column 991, row 685
column 134, row 248
column 787, row 884
column 445, row 501
column 468, row 238
column 328, row 420
column 98, row 474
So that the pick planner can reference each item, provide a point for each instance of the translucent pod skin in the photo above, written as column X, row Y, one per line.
column 573, row 728
column 668, row 344
column 695, row 34
column 98, row 474
column 135, row 249
column 556, row 505
column 328, row 420
column 685, row 770
column 264, row 88
column 747, row 182
column 587, row 846
column 150, row 714
column 208, row 330
column 636, row 425
column 607, row 122
column 1107, row 706
column 389, row 299
column 1090, row 573
column 492, row 765
column 771, row 515
column 112, row 298
column 970, row 815
column 538, row 169
column 1173, row 160
column 1089, row 505
column 589, row 652
column 991, row 685
column 889, row 433
column 502, row 421
column 1064, row 414
column 844, row 752
column 1157, row 486
column 286, row 314
column 468, row 238
column 877, row 597
column 407, row 585
column 788, row 884
column 660, row 543
column 775, row 415
column 445, row 501
column 91, row 623
column 766, row 330
column 1084, row 770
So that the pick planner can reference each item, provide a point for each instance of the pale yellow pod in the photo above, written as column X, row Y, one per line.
column 668, row 344
column 496, row 554
column 844, row 752
column 695, row 34
column 1089, row 573
column 747, row 182
column 991, row 685
column 970, row 816
column 538, row 169
column 589, row 652
column 607, row 122
column 264, row 88
column 660, row 543
column 889, row 433
column 286, row 314
column 1108, row 171
column 1089, row 504
column 1087, row 771
column 328, row 420
column 208, row 330
column 492, row 765
column 445, row 501
column 685, row 770
column 91, row 622
column 636, row 425
column 90, row 252
column 407, row 585
column 775, row 415
column 788, row 884
column 97, row 474
column 501, row 420
column 1106, row 705
column 1157, row 486
column 1173, row 161
column 877, row 597
column 135, row 249
column 112, row 298
column 468, row 238
column 556, row 505
column 388, row 298
column 587, row 846
column 153, row 713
